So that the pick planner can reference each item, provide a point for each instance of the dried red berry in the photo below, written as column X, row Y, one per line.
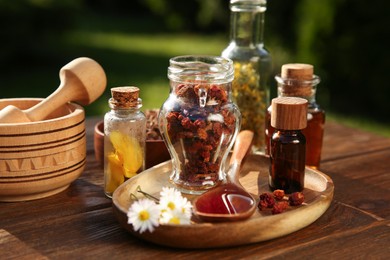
column 267, row 200
column 279, row 207
column 296, row 198
column 186, row 91
column 200, row 136
column 279, row 194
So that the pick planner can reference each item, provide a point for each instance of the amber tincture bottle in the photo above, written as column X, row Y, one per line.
column 288, row 144
column 298, row 80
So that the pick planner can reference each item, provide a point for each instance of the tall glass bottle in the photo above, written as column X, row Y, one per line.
column 298, row 80
column 252, row 64
column 124, row 138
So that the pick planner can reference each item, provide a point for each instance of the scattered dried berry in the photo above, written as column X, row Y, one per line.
column 296, row 198
column 279, row 207
column 278, row 202
column 279, row 194
column 267, row 200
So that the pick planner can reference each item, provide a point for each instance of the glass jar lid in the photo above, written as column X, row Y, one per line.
column 201, row 69
column 248, row 5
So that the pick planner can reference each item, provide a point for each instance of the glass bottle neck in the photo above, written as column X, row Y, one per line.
column 122, row 111
column 310, row 98
column 306, row 89
column 246, row 28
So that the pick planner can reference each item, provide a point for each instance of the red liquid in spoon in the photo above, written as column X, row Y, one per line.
column 225, row 199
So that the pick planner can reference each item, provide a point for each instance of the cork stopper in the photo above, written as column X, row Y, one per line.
column 298, row 71
column 124, row 97
column 298, row 77
column 289, row 113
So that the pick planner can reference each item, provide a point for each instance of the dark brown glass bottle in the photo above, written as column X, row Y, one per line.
column 288, row 144
column 298, row 80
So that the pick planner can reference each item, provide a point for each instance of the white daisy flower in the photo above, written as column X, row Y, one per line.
column 178, row 217
column 185, row 207
column 144, row 215
column 169, row 199
column 167, row 192
column 175, row 208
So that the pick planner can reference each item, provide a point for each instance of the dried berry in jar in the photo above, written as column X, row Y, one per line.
column 200, row 131
column 199, row 121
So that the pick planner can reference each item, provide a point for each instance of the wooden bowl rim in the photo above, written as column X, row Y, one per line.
column 77, row 110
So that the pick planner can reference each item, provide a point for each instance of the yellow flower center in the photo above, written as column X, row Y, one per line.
column 143, row 215
column 171, row 205
column 174, row 220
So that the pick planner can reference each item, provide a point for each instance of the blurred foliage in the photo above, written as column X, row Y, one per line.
column 346, row 41
column 29, row 25
column 195, row 15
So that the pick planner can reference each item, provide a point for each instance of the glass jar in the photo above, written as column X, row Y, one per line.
column 124, row 138
column 252, row 64
column 198, row 121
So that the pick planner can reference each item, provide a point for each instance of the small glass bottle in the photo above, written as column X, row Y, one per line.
column 288, row 144
column 124, row 138
column 252, row 65
column 298, row 80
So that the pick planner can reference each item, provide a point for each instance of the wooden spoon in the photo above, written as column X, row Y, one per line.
column 82, row 80
column 229, row 201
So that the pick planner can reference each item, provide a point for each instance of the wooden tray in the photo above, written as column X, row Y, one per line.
column 259, row 227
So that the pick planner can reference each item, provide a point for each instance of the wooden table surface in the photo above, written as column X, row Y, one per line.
column 79, row 222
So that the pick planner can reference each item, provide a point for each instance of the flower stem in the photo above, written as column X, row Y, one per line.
column 147, row 195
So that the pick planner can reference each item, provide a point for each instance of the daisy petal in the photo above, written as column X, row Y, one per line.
column 143, row 215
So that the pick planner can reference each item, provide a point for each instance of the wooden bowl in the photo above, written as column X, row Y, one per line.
column 39, row 159
column 155, row 150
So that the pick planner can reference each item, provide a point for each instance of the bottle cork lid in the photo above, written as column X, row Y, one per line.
column 289, row 113
column 299, row 71
column 300, row 76
column 125, row 96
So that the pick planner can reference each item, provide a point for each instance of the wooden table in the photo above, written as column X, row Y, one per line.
column 79, row 222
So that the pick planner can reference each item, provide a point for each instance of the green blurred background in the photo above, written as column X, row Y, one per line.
column 346, row 40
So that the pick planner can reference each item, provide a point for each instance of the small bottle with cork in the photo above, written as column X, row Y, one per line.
column 298, row 80
column 288, row 144
column 124, row 138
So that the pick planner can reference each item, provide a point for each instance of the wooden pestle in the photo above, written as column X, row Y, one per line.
column 82, row 80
